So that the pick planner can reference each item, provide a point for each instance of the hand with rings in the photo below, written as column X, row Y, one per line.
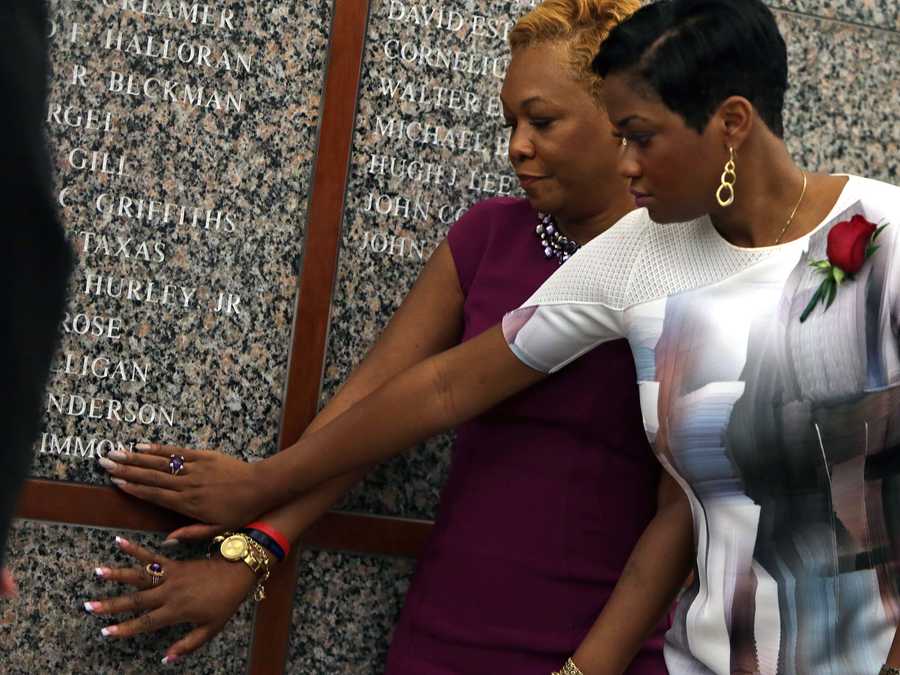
column 203, row 593
column 206, row 485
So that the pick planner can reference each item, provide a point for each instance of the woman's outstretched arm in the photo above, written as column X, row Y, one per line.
column 428, row 322
column 432, row 396
column 435, row 394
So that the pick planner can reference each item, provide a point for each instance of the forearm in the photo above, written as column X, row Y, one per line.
column 294, row 517
column 428, row 322
column 380, row 426
column 431, row 397
column 302, row 509
column 656, row 570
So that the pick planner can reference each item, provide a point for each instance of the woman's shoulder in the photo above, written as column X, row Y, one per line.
column 504, row 206
column 870, row 185
column 877, row 201
column 623, row 241
column 488, row 221
column 495, row 212
column 601, row 271
column 875, row 194
column 639, row 260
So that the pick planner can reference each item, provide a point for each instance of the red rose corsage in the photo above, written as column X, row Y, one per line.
column 850, row 244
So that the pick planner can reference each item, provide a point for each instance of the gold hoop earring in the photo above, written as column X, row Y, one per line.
column 729, row 178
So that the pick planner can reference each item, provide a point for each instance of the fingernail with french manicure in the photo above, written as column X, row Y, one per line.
column 167, row 660
column 143, row 446
column 119, row 482
column 169, row 543
column 109, row 630
column 101, row 571
column 107, row 464
column 117, row 454
column 122, row 542
column 91, row 607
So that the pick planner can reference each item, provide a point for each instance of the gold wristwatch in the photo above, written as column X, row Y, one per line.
column 238, row 547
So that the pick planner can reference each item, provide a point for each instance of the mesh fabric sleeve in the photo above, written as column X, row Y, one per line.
column 581, row 305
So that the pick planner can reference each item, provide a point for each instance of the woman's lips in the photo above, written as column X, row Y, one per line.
column 525, row 181
column 641, row 199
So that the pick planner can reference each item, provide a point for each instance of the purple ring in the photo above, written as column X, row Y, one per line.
column 176, row 464
column 156, row 573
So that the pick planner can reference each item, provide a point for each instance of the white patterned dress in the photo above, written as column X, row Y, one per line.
column 785, row 436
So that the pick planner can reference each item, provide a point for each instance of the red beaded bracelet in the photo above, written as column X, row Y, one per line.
column 276, row 536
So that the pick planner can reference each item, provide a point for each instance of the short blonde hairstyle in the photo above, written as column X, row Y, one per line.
column 578, row 25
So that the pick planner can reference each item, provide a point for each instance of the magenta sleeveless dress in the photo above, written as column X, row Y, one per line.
column 547, row 495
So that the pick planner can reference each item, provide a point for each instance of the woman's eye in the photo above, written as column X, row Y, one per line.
column 640, row 140
column 541, row 123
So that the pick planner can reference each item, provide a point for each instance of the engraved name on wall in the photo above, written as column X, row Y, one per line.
column 431, row 122
column 181, row 135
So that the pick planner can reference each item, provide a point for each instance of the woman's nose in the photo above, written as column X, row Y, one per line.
column 520, row 146
column 628, row 166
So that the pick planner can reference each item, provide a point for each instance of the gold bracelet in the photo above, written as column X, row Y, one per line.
column 236, row 547
column 569, row 669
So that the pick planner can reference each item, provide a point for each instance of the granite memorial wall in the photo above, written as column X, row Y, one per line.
column 183, row 136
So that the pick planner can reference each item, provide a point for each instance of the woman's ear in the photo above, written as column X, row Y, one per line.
column 734, row 120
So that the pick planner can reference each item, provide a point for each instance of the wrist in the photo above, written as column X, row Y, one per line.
column 241, row 573
column 239, row 549
column 271, row 479
column 266, row 485
column 269, row 537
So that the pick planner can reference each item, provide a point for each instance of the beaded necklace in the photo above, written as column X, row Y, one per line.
column 555, row 243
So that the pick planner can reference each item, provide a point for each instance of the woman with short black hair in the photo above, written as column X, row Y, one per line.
column 762, row 303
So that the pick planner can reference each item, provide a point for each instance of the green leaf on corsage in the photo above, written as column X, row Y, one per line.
column 817, row 296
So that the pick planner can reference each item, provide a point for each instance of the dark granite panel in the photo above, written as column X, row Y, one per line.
column 345, row 609
column 182, row 146
column 429, row 142
column 46, row 629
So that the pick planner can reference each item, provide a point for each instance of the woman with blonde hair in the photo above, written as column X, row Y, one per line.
column 550, row 492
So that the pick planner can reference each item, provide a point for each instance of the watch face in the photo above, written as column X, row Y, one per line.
column 234, row 548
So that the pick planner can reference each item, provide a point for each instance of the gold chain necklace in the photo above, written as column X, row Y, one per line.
column 794, row 212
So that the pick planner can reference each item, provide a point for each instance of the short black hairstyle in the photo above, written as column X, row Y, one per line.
column 694, row 54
